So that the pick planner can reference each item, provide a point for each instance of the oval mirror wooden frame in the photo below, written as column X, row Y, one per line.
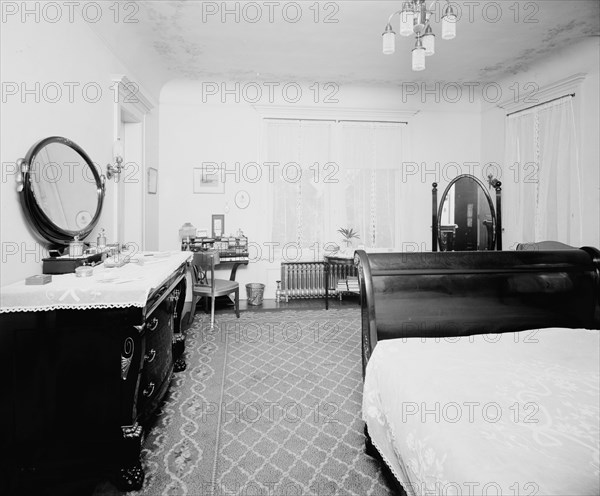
column 495, row 211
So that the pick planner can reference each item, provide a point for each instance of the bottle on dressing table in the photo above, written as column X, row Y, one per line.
column 243, row 243
column 101, row 241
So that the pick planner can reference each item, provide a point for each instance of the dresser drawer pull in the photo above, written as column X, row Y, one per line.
column 175, row 301
column 152, row 324
column 150, row 356
column 149, row 390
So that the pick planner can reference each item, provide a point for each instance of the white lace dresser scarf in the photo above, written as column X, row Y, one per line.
column 122, row 287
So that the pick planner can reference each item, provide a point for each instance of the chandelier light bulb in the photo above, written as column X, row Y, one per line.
column 407, row 18
column 429, row 41
column 389, row 40
column 418, row 56
column 449, row 24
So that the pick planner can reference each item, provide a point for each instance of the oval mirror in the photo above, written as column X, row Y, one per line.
column 466, row 217
column 61, row 190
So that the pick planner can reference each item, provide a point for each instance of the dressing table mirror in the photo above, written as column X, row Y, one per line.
column 61, row 193
column 465, row 218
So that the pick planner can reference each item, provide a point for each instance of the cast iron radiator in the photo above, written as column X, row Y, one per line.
column 302, row 280
column 307, row 279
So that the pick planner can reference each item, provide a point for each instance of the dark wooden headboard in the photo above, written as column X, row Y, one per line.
column 442, row 294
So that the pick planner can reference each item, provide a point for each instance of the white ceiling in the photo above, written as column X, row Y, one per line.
column 172, row 40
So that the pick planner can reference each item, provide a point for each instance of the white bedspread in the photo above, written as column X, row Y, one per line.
column 512, row 414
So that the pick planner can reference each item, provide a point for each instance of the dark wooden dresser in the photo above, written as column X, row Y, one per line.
column 85, row 362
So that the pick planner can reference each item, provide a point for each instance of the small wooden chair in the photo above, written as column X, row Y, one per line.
column 203, row 265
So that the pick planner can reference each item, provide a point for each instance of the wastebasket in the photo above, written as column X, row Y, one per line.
column 255, row 292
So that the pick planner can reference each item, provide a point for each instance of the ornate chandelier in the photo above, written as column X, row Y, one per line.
column 415, row 19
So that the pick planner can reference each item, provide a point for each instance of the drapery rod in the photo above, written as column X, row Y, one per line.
column 539, row 104
column 333, row 120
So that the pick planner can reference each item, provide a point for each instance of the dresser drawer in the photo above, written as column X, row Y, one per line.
column 158, row 358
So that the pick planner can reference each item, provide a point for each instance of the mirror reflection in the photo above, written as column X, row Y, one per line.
column 64, row 186
column 466, row 217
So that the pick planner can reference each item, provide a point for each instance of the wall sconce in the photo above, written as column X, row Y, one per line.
column 112, row 170
column 494, row 183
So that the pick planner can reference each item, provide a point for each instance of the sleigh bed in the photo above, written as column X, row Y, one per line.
column 481, row 370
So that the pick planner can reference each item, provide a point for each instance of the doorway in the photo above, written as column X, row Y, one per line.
column 131, row 184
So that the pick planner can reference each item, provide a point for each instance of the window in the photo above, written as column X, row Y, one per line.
column 543, row 158
column 334, row 174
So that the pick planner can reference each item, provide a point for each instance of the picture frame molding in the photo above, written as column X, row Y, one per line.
column 200, row 186
column 214, row 224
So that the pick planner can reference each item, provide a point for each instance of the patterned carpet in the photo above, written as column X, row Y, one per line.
column 270, row 404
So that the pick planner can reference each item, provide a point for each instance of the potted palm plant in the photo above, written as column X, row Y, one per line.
column 348, row 235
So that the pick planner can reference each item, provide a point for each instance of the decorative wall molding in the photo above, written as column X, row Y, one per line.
column 532, row 97
column 333, row 113
column 131, row 97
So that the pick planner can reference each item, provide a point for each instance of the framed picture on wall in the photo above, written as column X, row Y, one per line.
column 218, row 225
column 208, row 179
column 152, row 181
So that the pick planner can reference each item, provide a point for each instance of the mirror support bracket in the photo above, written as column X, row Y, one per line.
column 498, row 187
column 434, row 219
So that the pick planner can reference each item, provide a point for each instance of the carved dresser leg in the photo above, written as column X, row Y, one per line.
column 131, row 474
column 179, row 364
column 131, row 478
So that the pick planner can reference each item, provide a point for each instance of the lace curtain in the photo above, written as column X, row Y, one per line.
column 542, row 186
column 349, row 178
column 371, row 157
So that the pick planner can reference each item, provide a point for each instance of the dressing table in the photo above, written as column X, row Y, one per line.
column 85, row 360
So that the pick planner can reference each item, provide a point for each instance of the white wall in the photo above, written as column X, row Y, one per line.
column 197, row 127
column 151, row 228
column 581, row 58
column 43, row 56
column 446, row 137
column 444, row 142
